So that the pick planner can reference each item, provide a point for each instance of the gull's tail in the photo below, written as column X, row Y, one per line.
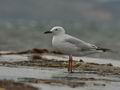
column 104, row 49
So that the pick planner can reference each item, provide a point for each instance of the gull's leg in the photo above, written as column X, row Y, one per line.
column 70, row 64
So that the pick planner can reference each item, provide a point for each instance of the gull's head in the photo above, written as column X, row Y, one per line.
column 56, row 30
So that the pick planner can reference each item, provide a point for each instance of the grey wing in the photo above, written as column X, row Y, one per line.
column 81, row 45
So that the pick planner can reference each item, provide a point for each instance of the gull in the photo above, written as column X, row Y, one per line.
column 70, row 45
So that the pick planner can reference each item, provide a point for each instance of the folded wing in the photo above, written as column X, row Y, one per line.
column 81, row 45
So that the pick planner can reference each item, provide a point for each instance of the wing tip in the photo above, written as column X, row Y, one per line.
column 104, row 49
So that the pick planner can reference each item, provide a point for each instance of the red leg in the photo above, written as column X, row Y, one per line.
column 70, row 65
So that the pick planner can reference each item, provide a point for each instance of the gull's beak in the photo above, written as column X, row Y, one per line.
column 47, row 32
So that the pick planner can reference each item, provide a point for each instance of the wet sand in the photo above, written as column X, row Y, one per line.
column 48, row 71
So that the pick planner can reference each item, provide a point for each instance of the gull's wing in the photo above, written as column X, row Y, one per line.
column 81, row 45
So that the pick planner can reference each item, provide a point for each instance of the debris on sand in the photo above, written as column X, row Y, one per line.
column 101, row 69
column 34, row 50
column 11, row 85
column 37, row 60
column 71, row 83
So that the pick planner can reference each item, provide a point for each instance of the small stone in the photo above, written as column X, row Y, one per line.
column 36, row 57
column 81, row 60
column 109, row 64
column 99, row 84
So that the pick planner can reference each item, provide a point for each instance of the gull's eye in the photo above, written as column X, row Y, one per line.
column 56, row 29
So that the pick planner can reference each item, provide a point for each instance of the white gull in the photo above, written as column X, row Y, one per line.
column 70, row 45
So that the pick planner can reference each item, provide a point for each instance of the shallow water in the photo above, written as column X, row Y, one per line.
column 26, row 72
column 13, row 58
